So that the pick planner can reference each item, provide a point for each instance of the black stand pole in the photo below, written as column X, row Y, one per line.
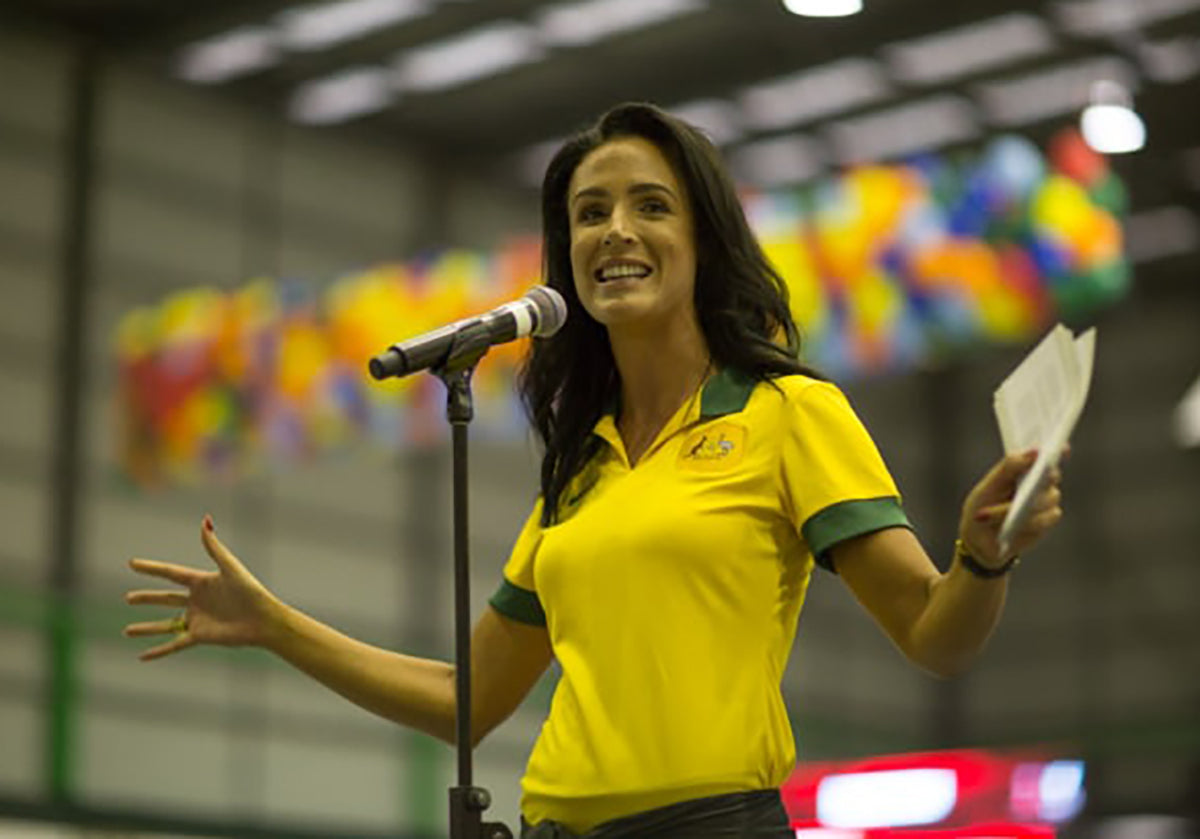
column 467, row 802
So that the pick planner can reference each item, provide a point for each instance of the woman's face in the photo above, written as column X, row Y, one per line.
column 633, row 252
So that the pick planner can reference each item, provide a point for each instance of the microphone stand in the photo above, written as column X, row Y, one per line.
column 467, row 802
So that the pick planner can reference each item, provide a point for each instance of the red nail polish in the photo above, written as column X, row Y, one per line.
column 208, row 523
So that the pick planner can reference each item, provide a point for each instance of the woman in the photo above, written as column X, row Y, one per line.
column 694, row 472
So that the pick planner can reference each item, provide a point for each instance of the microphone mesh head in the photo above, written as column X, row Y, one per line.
column 551, row 310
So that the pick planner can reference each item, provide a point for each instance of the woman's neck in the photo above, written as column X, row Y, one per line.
column 658, row 373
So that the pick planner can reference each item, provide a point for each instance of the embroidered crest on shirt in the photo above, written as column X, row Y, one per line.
column 713, row 448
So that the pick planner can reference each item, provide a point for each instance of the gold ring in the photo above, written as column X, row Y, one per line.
column 178, row 624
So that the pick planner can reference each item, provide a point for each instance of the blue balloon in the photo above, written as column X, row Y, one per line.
column 1015, row 166
column 1053, row 261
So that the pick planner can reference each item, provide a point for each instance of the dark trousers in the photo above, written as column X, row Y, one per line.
column 739, row 815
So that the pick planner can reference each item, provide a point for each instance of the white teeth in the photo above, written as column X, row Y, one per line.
column 616, row 272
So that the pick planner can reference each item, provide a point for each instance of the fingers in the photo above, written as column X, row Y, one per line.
column 992, row 513
column 165, row 570
column 173, row 599
column 216, row 549
column 161, row 627
column 1013, row 466
column 180, row 642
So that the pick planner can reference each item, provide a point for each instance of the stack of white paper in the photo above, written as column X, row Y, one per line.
column 1037, row 407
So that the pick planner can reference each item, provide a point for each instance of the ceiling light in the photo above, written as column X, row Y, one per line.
column 781, row 161
column 907, row 129
column 716, row 118
column 813, row 94
column 342, row 96
column 480, row 52
column 1093, row 18
column 1051, row 93
column 823, row 8
column 1109, row 123
column 326, row 24
column 235, row 53
column 579, row 23
column 969, row 49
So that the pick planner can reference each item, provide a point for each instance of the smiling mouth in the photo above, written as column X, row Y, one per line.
column 621, row 272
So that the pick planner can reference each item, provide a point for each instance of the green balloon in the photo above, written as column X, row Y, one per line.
column 1110, row 195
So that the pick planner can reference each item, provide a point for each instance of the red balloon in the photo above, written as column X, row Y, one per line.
column 1071, row 155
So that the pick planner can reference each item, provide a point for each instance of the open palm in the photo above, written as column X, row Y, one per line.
column 228, row 606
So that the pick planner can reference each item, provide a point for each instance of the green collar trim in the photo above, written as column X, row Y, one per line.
column 727, row 392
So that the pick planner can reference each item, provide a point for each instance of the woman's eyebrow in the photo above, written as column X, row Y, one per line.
column 636, row 189
column 650, row 186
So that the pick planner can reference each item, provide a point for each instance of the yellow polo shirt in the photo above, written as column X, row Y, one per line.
column 671, row 591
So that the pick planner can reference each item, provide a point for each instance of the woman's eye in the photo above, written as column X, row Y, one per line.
column 655, row 205
column 587, row 214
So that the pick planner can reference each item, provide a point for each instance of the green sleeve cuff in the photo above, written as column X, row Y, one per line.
column 518, row 603
column 848, row 519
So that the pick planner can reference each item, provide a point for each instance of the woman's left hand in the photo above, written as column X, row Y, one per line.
column 988, row 504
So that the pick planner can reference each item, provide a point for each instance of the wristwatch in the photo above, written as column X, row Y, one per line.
column 963, row 556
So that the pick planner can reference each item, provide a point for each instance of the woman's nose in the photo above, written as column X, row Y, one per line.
column 619, row 230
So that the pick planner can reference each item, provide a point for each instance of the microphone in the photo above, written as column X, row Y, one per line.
column 541, row 312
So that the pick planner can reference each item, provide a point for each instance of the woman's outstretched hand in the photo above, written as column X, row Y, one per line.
column 229, row 606
column 988, row 503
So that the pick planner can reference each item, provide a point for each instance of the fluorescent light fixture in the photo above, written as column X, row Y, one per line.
column 1109, row 124
column 456, row 61
column 342, row 96
column 715, row 117
column 907, row 129
column 323, row 25
column 953, row 54
column 813, row 94
column 823, row 8
column 1097, row 18
column 1187, row 421
column 1113, row 129
column 1160, row 233
column 780, row 161
column 580, row 23
column 244, row 50
column 888, row 798
column 1051, row 93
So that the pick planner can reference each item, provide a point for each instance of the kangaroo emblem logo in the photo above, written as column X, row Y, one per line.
column 713, row 448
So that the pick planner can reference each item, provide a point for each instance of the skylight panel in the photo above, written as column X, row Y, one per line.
column 238, row 52
column 715, row 117
column 324, row 25
column 950, row 55
column 1094, row 18
column 779, row 161
column 813, row 94
column 1053, row 92
column 342, row 96
column 907, row 129
column 587, row 21
column 465, row 58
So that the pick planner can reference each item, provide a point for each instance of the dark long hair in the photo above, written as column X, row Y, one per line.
column 569, row 379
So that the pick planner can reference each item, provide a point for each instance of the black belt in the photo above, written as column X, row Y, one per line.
column 738, row 815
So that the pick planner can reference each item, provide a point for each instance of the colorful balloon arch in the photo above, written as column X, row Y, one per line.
column 888, row 266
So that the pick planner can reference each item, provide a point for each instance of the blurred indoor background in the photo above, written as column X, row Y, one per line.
column 175, row 174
